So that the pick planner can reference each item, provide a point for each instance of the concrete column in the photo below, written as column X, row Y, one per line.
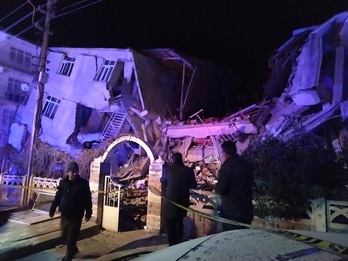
column 153, row 220
column 95, row 184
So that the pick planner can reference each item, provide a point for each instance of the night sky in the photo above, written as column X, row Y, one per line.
column 237, row 34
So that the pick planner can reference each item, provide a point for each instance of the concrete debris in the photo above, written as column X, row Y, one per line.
column 306, row 92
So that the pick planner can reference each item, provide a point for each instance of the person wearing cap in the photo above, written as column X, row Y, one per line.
column 177, row 180
column 74, row 200
column 235, row 186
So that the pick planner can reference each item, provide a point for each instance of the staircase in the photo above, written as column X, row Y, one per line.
column 113, row 127
column 225, row 137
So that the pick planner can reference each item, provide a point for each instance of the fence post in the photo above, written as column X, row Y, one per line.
column 319, row 214
column 24, row 192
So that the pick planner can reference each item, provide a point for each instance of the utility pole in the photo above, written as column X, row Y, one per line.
column 42, row 80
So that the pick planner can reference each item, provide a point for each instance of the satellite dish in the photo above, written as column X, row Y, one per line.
column 25, row 87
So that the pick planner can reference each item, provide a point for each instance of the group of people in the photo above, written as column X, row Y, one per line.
column 235, row 182
column 235, row 186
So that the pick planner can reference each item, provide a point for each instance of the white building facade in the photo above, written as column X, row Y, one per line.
column 81, row 81
column 18, row 78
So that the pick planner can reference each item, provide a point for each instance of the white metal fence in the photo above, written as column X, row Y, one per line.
column 325, row 215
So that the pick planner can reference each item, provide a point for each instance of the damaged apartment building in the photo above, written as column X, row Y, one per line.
column 307, row 88
column 93, row 95
column 306, row 91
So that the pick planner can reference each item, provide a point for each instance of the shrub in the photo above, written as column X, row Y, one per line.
column 50, row 162
column 290, row 174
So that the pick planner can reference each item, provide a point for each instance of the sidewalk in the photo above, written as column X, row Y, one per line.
column 42, row 241
column 6, row 204
column 18, row 240
column 107, row 246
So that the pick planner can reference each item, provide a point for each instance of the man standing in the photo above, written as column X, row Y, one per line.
column 235, row 185
column 177, row 180
column 74, row 199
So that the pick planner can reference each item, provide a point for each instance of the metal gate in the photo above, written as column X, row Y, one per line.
column 112, row 202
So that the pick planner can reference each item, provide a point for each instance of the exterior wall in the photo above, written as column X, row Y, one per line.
column 56, row 130
column 12, row 101
column 7, row 109
column 6, row 42
column 80, row 86
column 77, row 88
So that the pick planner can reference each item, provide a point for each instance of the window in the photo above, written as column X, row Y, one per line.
column 67, row 66
column 105, row 71
column 20, row 57
column 7, row 117
column 14, row 92
column 51, row 107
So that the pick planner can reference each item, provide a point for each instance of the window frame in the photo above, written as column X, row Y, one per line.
column 18, row 56
column 7, row 117
column 50, row 107
column 105, row 71
column 67, row 66
column 14, row 92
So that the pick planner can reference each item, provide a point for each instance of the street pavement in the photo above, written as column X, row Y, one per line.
column 42, row 241
column 106, row 246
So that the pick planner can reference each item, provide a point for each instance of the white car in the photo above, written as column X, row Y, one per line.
column 250, row 244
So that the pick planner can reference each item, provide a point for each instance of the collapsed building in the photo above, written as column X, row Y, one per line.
column 307, row 88
column 93, row 95
column 306, row 91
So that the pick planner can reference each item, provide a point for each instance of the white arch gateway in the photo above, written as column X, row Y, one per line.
column 129, row 137
column 111, row 196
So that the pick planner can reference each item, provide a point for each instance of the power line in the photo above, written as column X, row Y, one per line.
column 32, row 13
column 67, row 7
column 17, row 22
column 77, row 9
column 58, row 16
column 2, row 19
column 23, row 31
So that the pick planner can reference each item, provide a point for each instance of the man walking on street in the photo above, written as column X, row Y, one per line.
column 235, row 185
column 74, row 199
column 177, row 180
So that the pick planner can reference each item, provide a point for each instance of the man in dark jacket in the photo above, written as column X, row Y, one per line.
column 235, row 185
column 177, row 180
column 74, row 199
